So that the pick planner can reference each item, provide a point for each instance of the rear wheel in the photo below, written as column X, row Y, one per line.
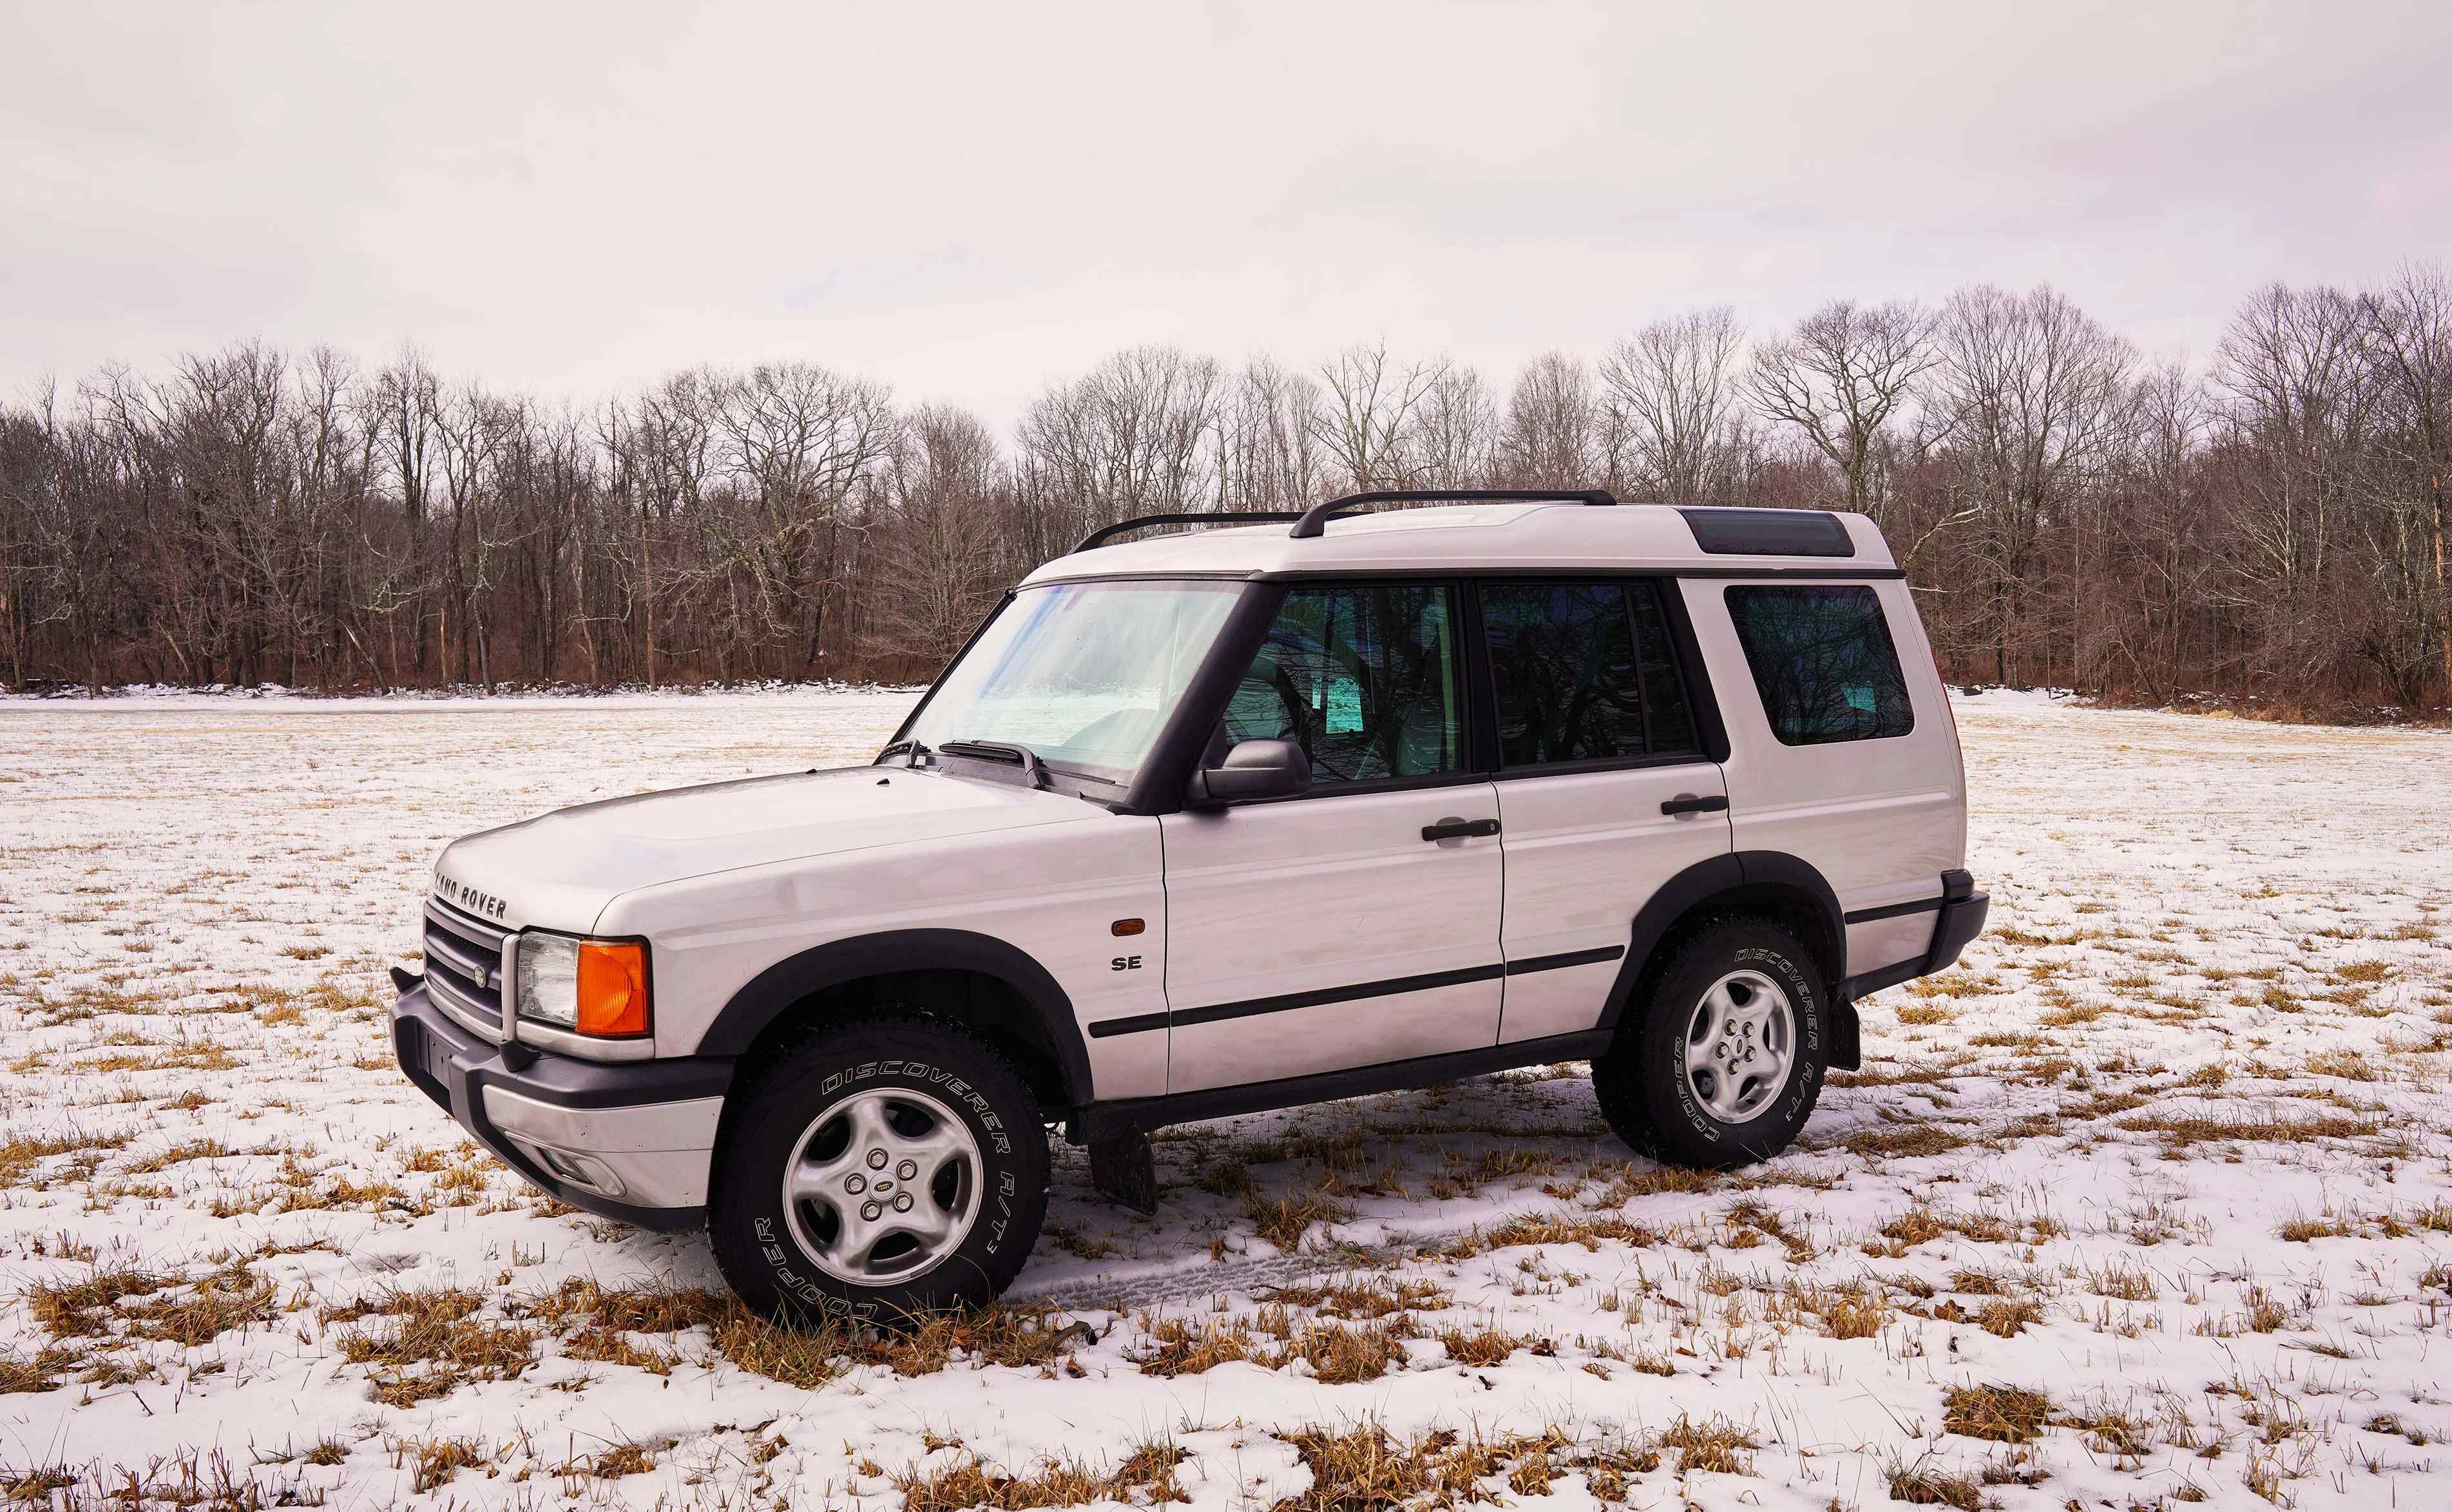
column 1726, row 1061
column 878, row 1171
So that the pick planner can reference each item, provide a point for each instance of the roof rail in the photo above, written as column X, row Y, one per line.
column 1101, row 536
column 1316, row 518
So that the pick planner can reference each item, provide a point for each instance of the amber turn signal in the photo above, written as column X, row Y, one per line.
column 612, row 989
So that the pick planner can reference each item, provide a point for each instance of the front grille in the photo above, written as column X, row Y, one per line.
column 463, row 967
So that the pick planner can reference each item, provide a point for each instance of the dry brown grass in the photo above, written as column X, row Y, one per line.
column 1181, row 1349
column 1999, row 1413
column 1368, row 1297
column 1480, row 1347
column 232, row 1298
column 21, row 1154
column 2006, row 1319
column 1284, row 1221
column 1903, row 1141
column 431, row 1343
column 2179, row 1130
column 41, row 1373
column 1340, row 1355
column 1148, row 1470
column 1923, row 1484
column 1554, row 1229
column 85, row 1308
column 1715, row 1446
column 1363, row 1469
column 434, row 1461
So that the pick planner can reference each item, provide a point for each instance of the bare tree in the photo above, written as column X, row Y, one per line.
column 1372, row 414
column 1132, row 436
column 935, row 569
column 1672, row 385
column 2409, row 326
column 1841, row 377
column 1552, row 436
column 2036, row 391
column 2273, row 529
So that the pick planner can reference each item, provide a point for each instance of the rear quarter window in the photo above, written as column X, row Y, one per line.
column 1824, row 662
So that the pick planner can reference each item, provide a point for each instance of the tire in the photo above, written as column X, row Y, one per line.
column 1727, row 1113
column 874, row 1237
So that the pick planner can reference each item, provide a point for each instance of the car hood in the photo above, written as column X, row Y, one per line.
column 560, row 869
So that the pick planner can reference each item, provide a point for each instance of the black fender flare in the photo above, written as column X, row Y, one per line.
column 1735, row 871
column 793, row 979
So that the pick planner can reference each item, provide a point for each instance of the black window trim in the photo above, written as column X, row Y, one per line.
column 1889, row 638
column 1475, row 715
column 1167, row 770
column 1684, row 661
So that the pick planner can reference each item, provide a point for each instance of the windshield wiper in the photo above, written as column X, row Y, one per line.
column 1001, row 753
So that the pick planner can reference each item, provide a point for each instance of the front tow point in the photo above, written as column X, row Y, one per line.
column 1123, row 1172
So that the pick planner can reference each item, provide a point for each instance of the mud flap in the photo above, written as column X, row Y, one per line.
column 1123, row 1172
column 1846, row 1038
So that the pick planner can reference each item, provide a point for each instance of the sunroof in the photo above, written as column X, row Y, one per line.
column 1769, row 532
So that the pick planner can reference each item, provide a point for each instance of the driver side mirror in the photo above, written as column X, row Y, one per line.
column 1254, row 769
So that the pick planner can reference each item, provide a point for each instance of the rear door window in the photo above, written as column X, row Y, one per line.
column 1363, row 677
column 1823, row 660
column 1583, row 672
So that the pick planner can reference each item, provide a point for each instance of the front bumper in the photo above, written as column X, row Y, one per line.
column 632, row 1141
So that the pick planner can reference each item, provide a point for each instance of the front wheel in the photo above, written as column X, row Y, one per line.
column 1724, row 1064
column 880, row 1171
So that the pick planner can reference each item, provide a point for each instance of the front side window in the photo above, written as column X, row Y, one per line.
column 1583, row 673
column 1823, row 661
column 1082, row 674
column 1363, row 677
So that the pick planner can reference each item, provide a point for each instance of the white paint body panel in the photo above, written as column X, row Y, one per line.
column 1880, row 819
column 1272, row 899
column 1585, row 852
column 1050, row 888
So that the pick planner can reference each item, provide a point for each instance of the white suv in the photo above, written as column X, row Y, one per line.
column 1216, row 822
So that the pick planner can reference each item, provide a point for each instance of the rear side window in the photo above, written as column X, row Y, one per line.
column 1583, row 673
column 1363, row 677
column 1823, row 660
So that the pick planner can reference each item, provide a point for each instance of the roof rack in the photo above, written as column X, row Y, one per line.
column 1104, row 533
column 1315, row 520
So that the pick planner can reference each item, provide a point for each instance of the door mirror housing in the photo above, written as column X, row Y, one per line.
column 1254, row 769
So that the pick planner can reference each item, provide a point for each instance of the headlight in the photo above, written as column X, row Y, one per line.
column 587, row 987
column 550, row 979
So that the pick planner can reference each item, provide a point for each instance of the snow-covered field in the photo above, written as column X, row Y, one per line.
column 2148, row 1201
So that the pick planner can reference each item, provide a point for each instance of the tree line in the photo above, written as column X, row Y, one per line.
column 2267, row 526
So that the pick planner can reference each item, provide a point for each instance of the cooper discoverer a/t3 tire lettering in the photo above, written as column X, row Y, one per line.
column 878, row 1171
column 1724, row 1064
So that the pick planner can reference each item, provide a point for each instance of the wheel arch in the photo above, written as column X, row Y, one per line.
column 971, row 978
column 1785, row 888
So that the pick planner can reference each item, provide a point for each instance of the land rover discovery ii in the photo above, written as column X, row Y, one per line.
column 1209, row 823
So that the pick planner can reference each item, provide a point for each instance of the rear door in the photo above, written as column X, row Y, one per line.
column 1604, row 791
column 1357, row 924
column 1843, row 749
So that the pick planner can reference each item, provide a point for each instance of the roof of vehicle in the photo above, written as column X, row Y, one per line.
column 1468, row 537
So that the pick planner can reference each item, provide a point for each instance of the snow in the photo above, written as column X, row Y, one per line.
column 2215, row 1002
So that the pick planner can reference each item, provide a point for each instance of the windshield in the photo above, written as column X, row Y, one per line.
column 1084, row 674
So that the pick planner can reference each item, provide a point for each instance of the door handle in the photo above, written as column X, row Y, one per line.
column 1689, row 803
column 1459, row 829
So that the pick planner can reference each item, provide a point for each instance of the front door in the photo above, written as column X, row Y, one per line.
column 1358, row 924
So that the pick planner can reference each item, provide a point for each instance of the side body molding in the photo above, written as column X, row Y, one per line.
column 794, row 978
column 1740, row 876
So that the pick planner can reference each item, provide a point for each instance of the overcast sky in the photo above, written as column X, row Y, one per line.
column 967, row 201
